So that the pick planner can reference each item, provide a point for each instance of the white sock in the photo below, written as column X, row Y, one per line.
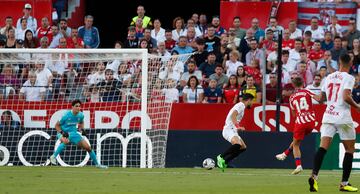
column 344, row 183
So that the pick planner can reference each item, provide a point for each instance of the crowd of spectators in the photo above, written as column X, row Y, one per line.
column 224, row 63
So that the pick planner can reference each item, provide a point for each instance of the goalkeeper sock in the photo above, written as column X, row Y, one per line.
column 93, row 157
column 347, row 166
column 60, row 148
column 319, row 156
column 288, row 151
column 235, row 152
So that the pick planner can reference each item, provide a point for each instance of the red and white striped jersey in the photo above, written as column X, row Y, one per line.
column 41, row 32
column 301, row 103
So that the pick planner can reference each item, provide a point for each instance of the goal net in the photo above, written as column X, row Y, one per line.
column 126, row 94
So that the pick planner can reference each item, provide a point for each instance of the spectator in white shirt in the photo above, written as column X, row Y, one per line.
column 317, row 32
column 287, row 64
column 294, row 31
column 158, row 33
column 172, row 69
column 97, row 76
column 123, row 75
column 162, row 52
column 315, row 87
column 178, row 25
column 233, row 63
column 275, row 27
column 334, row 27
column 272, row 58
column 294, row 54
column 287, row 67
column 191, row 23
column 20, row 32
column 44, row 76
column 32, row 90
column 171, row 93
column 114, row 65
column 31, row 21
column 193, row 92
column 58, row 68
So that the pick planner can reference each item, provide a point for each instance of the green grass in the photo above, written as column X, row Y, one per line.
column 18, row 180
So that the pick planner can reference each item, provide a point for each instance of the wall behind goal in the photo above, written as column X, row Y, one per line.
column 261, row 149
column 189, row 148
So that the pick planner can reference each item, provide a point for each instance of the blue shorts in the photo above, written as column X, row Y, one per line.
column 74, row 137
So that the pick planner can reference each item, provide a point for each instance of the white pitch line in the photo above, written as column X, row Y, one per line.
column 268, row 173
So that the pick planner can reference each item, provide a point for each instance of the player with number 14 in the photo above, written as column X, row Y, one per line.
column 301, row 106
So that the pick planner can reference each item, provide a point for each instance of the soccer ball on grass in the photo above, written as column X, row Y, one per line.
column 209, row 163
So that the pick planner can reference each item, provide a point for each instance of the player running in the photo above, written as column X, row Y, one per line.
column 230, row 131
column 301, row 106
column 337, row 118
column 67, row 132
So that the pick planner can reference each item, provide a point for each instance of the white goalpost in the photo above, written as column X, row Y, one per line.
column 125, row 104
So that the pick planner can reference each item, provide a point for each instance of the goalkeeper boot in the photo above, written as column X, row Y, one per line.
column 313, row 184
column 281, row 156
column 53, row 160
column 348, row 188
column 297, row 170
column 101, row 166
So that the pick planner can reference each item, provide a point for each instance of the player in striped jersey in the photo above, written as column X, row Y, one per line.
column 301, row 106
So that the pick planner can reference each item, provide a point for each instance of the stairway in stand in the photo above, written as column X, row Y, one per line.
column 75, row 13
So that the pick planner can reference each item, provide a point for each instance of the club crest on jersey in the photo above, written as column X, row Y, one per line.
column 331, row 111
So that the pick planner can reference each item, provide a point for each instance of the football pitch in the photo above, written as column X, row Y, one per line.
column 18, row 180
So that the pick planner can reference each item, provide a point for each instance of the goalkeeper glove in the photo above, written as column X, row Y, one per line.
column 58, row 136
column 83, row 132
column 64, row 134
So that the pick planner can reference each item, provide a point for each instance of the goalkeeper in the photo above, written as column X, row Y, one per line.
column 67, row 132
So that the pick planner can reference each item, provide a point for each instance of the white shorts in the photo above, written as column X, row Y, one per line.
column 229, row 133
column 346, row 131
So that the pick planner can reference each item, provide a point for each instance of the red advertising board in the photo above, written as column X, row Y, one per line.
column 183, row 116
column 97, row 115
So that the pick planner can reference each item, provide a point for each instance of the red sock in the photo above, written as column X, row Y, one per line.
column 298, row 161
column 287, row 151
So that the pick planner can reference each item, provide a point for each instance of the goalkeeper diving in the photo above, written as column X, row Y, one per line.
column 68, row 133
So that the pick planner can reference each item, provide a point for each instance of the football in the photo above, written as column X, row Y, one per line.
column 208, row 163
